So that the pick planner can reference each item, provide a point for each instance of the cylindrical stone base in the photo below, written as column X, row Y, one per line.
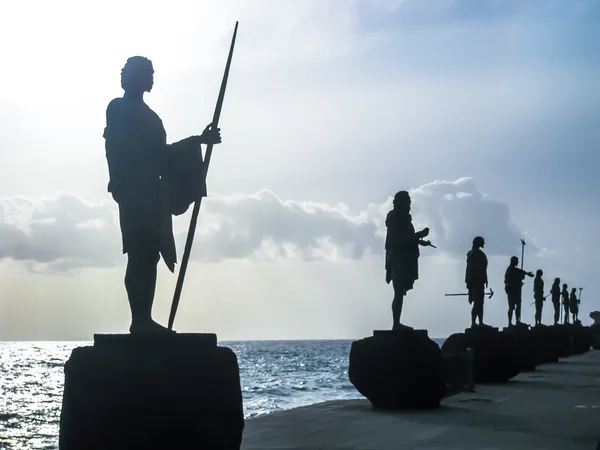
column 398, row 370
column 152, row 392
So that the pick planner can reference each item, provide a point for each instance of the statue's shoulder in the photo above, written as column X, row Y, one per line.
column 116, row 103
column 116, row 108
column 389, row 218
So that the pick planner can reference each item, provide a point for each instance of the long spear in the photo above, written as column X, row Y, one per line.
column 198, row 202
column 522, row 252
column 491, row 294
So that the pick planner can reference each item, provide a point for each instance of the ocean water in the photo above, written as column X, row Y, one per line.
column 275, row 375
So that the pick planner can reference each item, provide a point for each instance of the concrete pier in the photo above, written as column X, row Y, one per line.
column 555, row 407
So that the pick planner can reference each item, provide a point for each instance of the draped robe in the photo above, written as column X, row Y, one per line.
column 149, row 179
column 476, row 271
column 402, row 249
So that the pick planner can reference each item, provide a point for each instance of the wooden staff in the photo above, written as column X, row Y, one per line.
column 198, row 202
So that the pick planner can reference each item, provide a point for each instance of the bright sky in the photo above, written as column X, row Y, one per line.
column 488, row 110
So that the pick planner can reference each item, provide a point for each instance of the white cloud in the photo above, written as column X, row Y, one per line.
column 65, row 232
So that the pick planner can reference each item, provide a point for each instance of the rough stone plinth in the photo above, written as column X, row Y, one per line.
column 595, row 336
column 565, row 340
column 494, row 353
column 525, row 352
column 582, row 338
column 547, row 344
column 458, row 371
column 595, row 331
column 398, row 370
column 152, row 392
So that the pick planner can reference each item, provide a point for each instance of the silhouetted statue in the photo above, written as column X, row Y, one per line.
column 513, row 286
column 476, row 279
column 555, row 292
column 538, row 295
column 402, row 252
column 150, row 181
column 573, row 304
column 565, row 301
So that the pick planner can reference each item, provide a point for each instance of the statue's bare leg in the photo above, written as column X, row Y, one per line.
column 480, row 313
column 397, row 303
column 140, row 283
column 397, row 309
column 473, row 315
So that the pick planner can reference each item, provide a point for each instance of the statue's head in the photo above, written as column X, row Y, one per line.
column 138, row 75
column 565, row 286
column 539, row 273
column 557, row 281
column 402, row 201
column 514, row 261
column 478, row 242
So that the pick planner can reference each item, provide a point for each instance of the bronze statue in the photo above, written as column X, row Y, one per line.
column 402, row 252
column 476, row 279
column 150, row 180
column 538, row 296
column 565, row 299
column 574, row 305
column 555, row 292
column 513, row 285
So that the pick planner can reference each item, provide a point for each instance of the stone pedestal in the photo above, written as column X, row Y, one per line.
column 595, row 336
column 547, row 344
column 458, row 372
column 494, row 353
column 525, row 352
column 398, row 370
column 565, row 340
column 152, row 392
column 582, row 338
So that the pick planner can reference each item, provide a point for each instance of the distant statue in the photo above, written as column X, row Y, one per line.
column 476, row 279
column 565, row 300
column 555, row 293
column 150, row 180
column 513, row 286
column 402, row 252
column 574, row 305
column 538, row 296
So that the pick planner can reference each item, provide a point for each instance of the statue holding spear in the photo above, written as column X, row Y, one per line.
column 150, row 181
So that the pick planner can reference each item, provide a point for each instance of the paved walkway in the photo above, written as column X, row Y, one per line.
column 555, row 407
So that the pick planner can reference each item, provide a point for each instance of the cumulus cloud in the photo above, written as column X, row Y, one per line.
column 456, row 212
column 62, row 232
column 65, row 232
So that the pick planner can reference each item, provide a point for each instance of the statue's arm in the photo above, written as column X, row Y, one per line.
column 483, row 264
column 120, row 141
column 399, row 238
column 184, row 144
column 124, row 137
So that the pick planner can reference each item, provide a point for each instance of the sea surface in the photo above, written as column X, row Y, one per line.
column 275, row 375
